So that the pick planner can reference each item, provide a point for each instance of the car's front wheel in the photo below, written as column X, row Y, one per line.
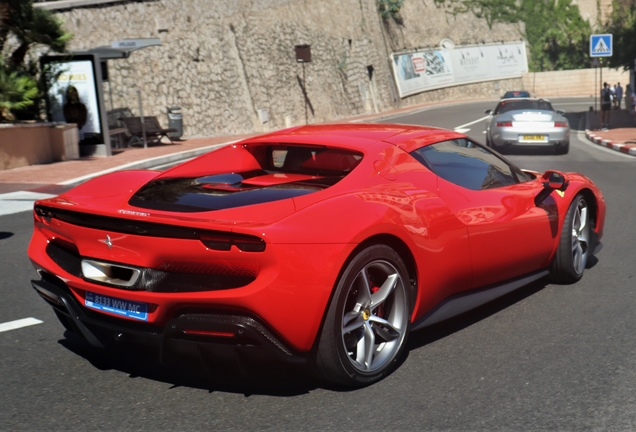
column 574, row 244
column 367, row 322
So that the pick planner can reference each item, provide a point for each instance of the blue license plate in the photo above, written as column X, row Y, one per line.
column 127, row 308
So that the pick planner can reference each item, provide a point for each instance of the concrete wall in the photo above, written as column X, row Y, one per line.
column 38, row 143
column 581, row 82
column 227, row 61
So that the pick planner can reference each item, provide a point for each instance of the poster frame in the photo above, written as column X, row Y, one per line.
column 101, row 145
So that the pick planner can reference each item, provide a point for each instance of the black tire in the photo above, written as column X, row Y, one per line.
column 368, row 318
column 561, row 150
column 574, row 243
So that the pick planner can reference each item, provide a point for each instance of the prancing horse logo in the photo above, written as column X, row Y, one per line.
column 107, row 242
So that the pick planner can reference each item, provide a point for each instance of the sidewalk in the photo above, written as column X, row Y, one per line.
column 57, row 176
column 621, row 135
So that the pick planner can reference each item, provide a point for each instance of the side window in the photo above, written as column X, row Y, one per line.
column 467, row 164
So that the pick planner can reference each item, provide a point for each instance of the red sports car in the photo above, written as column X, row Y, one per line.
column 322, row 245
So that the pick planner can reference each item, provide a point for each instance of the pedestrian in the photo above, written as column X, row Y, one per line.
column 634, row 105
column 606, row 105
column 619, row 95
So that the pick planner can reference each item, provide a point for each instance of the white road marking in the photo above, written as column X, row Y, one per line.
column 463, row 129
column 13, row 325
column 15, row 202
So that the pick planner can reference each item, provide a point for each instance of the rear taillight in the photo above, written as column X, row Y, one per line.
column 504, row 124
column 42, row 214
column 224, row 241
column 560, row 124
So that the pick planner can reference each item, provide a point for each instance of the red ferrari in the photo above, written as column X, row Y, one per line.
column 322, row 245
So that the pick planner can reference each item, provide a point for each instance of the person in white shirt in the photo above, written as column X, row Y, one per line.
column 618, row 91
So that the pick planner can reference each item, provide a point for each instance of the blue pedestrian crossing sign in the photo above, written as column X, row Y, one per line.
column 601, row 45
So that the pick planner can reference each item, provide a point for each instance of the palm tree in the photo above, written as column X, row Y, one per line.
column 30, row 26
column 17, row 92
column 4, row 18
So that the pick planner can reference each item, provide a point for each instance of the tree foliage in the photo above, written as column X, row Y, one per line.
column 491, row 10
column 390, row 9
column 23, row 27
column 557, row 35
column 17, row 92
column 622, row 25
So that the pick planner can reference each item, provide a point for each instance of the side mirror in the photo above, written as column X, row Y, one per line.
column 555, row 180
column 488, row 111
column 552, row 180
column 560, row 111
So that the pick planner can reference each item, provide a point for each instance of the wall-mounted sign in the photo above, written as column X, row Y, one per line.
column 136, row 43
column 303, row 53
column 424, row 70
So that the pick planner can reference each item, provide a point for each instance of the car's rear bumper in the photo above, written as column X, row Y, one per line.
column 288, row 288
column 198, row 336
column 520, row 137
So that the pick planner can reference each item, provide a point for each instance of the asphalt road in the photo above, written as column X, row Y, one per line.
column 546, row 357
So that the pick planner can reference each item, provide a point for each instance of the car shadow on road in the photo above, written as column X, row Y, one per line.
column 269, row 377
column 443, row 329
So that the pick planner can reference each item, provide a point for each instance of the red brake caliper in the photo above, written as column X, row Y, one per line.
column 379, row 312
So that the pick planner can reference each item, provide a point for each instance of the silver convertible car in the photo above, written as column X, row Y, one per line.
column 527, row 122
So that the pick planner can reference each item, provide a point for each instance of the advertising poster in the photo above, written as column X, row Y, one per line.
column 431, row 69
column 509, row 58
column 73, row 97
column 470, row 64
column 421, row 70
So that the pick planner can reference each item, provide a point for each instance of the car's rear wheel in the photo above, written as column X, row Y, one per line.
column 367, row 322
column 563, row 149
column 574, row 244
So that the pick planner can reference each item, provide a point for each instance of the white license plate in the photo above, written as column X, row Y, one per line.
column 127, row 308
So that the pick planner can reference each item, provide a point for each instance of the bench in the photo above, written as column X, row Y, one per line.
column 154, row 132
column 119, row 135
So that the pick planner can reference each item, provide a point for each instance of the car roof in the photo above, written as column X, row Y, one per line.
column 529, row 99
column 357, row 136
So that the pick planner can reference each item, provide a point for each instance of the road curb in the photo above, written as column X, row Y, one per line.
column 629, row 149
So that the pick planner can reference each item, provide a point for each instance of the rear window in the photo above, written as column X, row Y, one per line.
column 523, row 105
column 312, row 160
column 516, row 94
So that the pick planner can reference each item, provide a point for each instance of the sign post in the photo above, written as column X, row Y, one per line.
column 601, row 45
column 303, row 55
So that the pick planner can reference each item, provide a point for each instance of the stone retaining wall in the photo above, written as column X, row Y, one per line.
column 231, row 63
column 581, row 82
